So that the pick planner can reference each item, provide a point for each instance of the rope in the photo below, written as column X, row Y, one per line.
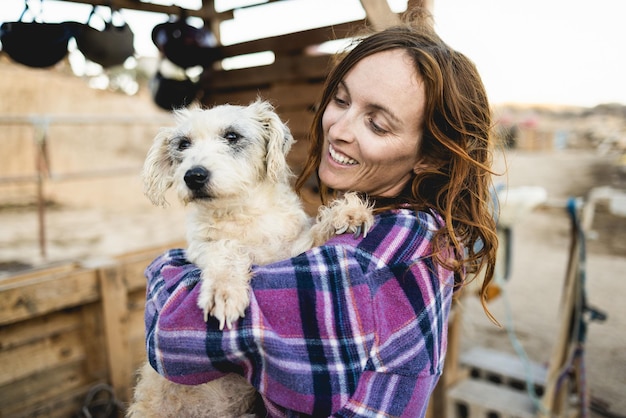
column 521, row 353
column 106, row 407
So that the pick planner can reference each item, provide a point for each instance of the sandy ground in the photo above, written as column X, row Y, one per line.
column 539, row 259
column 540, row 251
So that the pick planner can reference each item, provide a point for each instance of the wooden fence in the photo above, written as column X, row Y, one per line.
column 69, row 327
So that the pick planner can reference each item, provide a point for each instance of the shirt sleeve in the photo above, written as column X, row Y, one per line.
column 341, row 329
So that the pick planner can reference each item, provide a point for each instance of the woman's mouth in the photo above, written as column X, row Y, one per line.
column 340, row 158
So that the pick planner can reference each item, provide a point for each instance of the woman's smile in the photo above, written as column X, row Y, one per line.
column 340, row 158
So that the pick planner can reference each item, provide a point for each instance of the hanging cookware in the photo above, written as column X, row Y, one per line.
column 108, row 47
column 172, row 93
column 185, row 45
column 35, row 44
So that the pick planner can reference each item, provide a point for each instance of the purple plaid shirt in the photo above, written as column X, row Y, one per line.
column 354, row 328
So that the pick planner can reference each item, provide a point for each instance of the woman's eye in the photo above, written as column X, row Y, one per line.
column 375, row 127
column 232, row 136
column 183, row 143
column 340, row 101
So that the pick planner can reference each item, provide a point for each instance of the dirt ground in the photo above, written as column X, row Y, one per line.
column 539, row 258
column 540, row 251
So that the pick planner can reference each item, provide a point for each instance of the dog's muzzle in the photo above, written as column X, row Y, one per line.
column 196, row 177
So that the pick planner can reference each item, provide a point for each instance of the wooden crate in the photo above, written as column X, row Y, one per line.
column 66, row 328
column 481, row 399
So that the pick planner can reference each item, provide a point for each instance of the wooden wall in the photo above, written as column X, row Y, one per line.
column 67, row 328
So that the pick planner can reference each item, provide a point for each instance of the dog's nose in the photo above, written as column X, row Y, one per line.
column 196, row 177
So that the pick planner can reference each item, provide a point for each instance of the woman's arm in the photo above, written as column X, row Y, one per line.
column 175, row 327
column 325, row 331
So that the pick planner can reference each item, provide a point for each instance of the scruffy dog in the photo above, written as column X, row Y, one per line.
column 229, row 164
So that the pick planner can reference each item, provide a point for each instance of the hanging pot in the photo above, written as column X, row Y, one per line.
column 185, row 45
column 170, row 93
column 35, row 44
column 108, row 47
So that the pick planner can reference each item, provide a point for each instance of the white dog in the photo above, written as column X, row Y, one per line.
column 229, row 163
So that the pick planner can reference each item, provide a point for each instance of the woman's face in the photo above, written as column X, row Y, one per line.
column 372, row 126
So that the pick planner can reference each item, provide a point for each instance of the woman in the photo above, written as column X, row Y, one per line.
column 358, row 327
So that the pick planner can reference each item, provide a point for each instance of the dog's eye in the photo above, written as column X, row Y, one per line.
column 232, row 136
column 183, row 143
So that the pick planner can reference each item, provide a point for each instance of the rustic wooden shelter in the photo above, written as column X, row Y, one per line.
column 293, row 81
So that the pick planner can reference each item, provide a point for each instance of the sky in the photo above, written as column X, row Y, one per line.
column 553, row 52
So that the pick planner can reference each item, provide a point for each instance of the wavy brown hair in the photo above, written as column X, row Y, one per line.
column 455, row 144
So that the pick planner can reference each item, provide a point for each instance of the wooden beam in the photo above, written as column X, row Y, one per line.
column 206, row 13
column 115, row 313
column 285, row 69
column 379, row 14
column 39, row 296
column 294, row 42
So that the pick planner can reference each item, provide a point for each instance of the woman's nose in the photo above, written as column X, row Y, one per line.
column 342, row 128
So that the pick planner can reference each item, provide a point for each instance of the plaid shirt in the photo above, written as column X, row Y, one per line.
column 354, row 328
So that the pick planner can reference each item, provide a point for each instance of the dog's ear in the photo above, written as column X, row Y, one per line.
column 157, row 173
column 279, row 141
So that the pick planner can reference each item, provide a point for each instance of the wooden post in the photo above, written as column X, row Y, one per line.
column 41, row 165
column 116, row 314
column 558, row 388
column 379, row 14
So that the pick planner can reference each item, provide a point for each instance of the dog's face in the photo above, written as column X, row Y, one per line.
column 219, row 152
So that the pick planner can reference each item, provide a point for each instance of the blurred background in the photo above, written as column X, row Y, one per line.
column 76, row 123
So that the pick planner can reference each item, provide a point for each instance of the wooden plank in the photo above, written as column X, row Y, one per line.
column 281, row 95
column 296, row 95
column 20, row 300
column 282, row 70
column 63, row 406
column 284, row 96
column 148, row 252
column 92, row 327
column 136, row 301
column 29, row 331
column 136, row 326
column 39, row 272
column 115, row 314
column 42, row 388
column 294, row 42
column 482, row 398
column 136, row 339
column 40, row 356
column 505, row 367
column 133, row 272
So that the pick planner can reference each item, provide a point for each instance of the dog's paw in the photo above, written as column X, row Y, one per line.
column 351, row 214
column 226, row 302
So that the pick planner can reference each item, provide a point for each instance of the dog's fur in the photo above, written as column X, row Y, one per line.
column 229, row 164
